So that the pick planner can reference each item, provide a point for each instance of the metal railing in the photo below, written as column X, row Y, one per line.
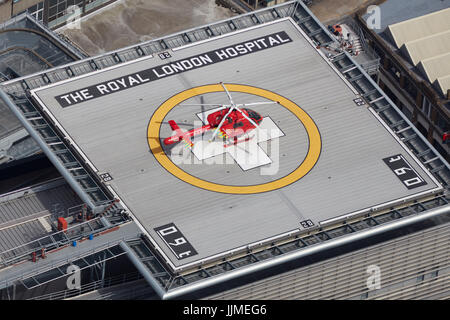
column 54, row 264
column 92, row 286
column 402, row 263
column 50, row 242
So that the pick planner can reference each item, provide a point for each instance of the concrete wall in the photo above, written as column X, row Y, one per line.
column 5, row 10
column 23, row 5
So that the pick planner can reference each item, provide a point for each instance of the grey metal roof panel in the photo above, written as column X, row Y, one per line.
column 349, row 175
column 54, row 196
column 20, row 234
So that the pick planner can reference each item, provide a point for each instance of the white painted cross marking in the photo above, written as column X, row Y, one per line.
column 249, row 154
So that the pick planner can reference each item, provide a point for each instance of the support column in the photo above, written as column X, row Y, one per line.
column 419, row 99
column 45, row 12
column 414, row 117
column 433, row 117
column 103, row 269
column 417, row 106
column 402, row 80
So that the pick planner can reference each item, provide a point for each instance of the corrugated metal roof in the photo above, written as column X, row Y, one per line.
column 443, row 84
column 394, row 11
column 419, row 27
column 428, row 47
column 435, row 67
column 425, row 42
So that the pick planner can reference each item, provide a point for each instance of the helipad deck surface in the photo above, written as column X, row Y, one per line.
column 338, row 150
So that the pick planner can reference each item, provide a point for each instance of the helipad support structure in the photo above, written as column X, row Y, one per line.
column 332, row 148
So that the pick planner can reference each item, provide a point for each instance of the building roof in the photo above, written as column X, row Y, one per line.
column 419, row 27
column 216, row 221
column 427, row 47
column 27, row 214
column 443, row 83
column 435, row 67
column 425, row 42
column 335, row 88
column 394, row 11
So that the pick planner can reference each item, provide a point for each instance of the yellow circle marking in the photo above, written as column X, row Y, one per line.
column 154, row 126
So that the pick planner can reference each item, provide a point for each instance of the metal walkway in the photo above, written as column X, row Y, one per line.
column 33, row 274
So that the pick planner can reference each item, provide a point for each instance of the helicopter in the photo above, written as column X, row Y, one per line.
column 234, row 123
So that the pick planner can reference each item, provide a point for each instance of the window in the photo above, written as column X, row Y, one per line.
column 37, row 11
column 426, row 107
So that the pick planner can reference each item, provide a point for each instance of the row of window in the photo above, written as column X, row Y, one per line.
column 441, row 121
column 58, row 8
column 409, row 86
column 37, row 11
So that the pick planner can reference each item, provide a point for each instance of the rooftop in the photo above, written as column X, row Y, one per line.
column 425, row 42
column 395, row 11
column 215, row 219
column 329, row 89
column 419, row 32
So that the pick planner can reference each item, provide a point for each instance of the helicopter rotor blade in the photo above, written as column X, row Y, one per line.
column 202, row 100
column 257, row 103
column 246, row 117
column 182, row 124
column 202, row 107
column 202, row 104
column 228, row 94
column 229, row 111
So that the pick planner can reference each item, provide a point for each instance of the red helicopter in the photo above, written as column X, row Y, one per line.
column 231, row 122
column 234, row 126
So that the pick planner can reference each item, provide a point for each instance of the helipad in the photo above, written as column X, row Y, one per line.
column 318, row 156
